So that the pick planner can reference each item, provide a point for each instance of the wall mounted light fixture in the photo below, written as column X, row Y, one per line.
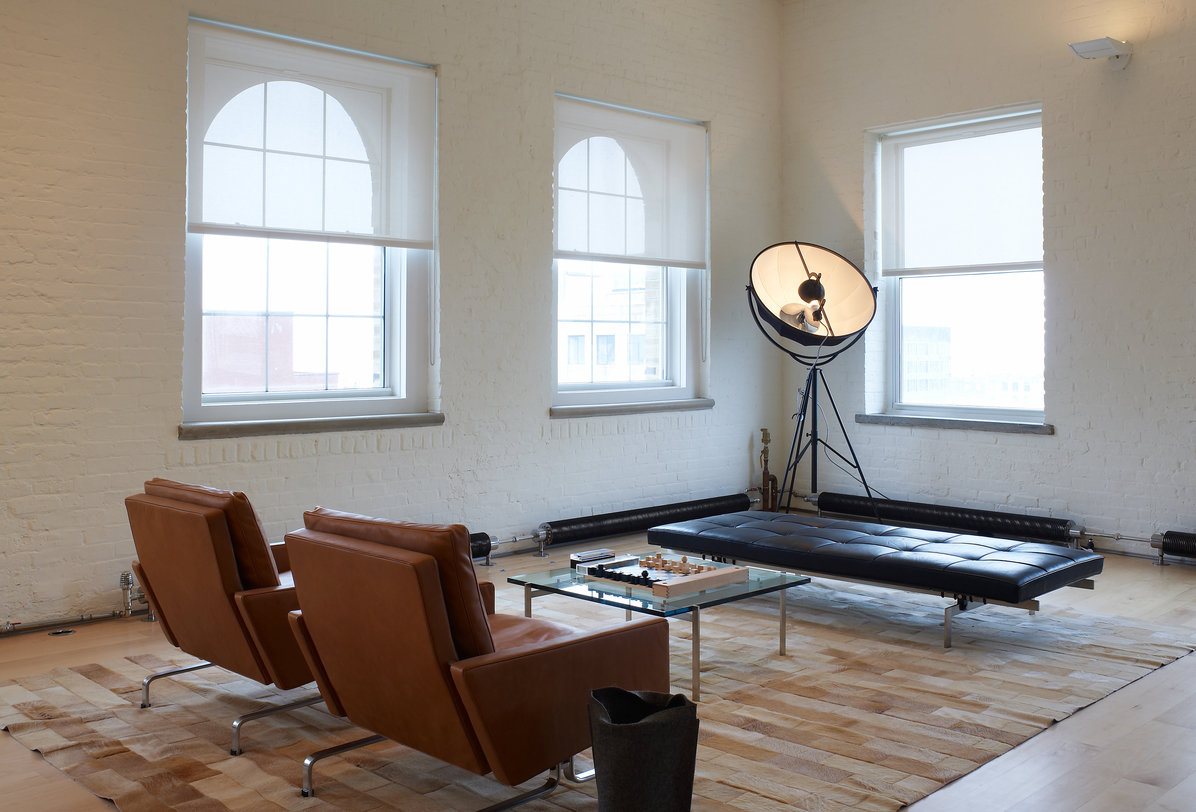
column 1116, row 51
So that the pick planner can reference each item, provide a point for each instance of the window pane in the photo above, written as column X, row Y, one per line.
column 232, row 186
column 298, row 277
column 572, row 222
column 572, row 172
column 240, row 121
column 294, row 192
column 356, row 286
column 973, row 340
column 297, row 352
column 636, row 228
column 647, row 293
column 608, row 224
column 573, row 355
column 611, row 323
column 234, row 274
column 349, row 201
column 973, row 201
column 355, row 353
column 343, row 137
column 612, row 295
column 234, row 354
column 576, row 349
column 645, row 353
column 608, row 167
column 604, row 349
column 610, row 353
column 294, row 118
column 575, row 290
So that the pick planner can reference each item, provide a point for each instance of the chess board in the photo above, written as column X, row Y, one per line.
column 668, row 577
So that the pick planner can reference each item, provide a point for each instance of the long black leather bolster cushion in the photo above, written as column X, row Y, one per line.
column 955, row 564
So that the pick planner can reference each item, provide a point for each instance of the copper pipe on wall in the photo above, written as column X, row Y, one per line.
column 769, row 492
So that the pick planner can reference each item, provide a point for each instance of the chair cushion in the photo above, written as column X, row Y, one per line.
column 448, row 544
column 254, row 560
column 513, row 631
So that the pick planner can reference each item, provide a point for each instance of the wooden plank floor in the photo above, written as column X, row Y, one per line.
column 1133, row 750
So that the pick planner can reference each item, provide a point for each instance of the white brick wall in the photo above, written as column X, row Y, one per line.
column 92, row 174
column 92, row 188
column 1120, row 174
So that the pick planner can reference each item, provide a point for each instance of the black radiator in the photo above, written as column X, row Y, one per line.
column 959, row 519
column 633, row 521
column 1174, row 542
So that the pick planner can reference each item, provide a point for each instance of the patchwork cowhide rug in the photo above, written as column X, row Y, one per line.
column 865, row 711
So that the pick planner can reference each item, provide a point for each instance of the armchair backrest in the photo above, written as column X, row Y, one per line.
column 187, row 568
column 255, row 564
column 377, row 633
column 448, row 545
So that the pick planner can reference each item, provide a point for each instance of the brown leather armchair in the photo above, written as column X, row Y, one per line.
column 404, row 641
column 219, row 591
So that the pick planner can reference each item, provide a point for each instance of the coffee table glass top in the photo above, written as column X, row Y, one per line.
column 568, row 581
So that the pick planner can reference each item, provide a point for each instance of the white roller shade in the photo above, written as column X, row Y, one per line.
column 379, row 128
column 668, row 179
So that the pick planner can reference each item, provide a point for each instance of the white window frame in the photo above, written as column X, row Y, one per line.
column 405, row 232
column 686, row 277
column 889, row 143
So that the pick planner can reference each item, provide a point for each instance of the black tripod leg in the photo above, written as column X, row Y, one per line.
column 855, row 461
column 797, row 450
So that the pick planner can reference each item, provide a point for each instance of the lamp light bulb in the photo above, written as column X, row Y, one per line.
column 802, row 316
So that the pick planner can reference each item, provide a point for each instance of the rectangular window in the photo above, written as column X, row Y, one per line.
column 630, row 254
column 310, row 230
column 961, row 256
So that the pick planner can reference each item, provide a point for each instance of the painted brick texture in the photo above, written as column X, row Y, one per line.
column 1119, row 170
column 92, row 217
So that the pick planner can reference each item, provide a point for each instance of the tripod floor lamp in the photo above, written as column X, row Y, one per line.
column 813, row 304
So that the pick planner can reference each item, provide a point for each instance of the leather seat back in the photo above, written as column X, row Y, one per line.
column 448, row 545
column 255, row 564
column 380, row 642
column 187, row 568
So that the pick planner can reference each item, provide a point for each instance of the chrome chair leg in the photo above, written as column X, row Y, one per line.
column 571, row 773
column 308, row 763
column 554, row 780
column 249, row 717
column 145, row 683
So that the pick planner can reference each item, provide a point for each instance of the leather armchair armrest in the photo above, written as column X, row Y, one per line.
column 544, row 690
column 282, row 559
column 299, row 627
column 264, row 612
column 487, row 588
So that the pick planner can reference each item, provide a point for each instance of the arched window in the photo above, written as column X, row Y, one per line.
column 289, row 315
column 287, row 154
column 310, row 212
column 611, row 316
column 630, row 255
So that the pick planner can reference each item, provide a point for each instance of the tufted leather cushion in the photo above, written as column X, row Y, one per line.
column 254, row 560
column 448, row 544
column 940, row 561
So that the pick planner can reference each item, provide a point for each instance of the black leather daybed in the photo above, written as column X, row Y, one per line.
column 972, row 570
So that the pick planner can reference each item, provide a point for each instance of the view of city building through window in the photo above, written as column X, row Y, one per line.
column 611, row 316
column 961, row 249
column 310, row 229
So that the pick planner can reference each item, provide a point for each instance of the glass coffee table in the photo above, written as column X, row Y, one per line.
column 569, row 582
